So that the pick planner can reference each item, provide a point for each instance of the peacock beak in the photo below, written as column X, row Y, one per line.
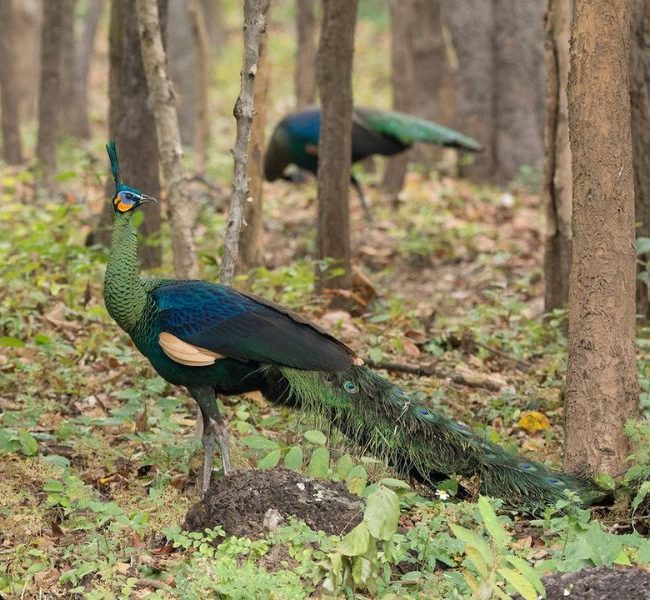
column 144, row 198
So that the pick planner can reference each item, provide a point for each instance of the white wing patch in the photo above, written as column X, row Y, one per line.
column 186, row 354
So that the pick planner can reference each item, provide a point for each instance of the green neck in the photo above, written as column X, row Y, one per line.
column 124, row 293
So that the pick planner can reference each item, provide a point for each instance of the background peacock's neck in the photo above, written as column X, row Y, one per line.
column 124, row 293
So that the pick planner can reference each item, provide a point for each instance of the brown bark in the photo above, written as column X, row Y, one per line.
column 131, row 124
column 602, row 390
column 305, row 75
column 28, row 16
column 214, row 22
column 557, row 190
column 12, row 151
column 67, row 66
column 201, row 49
column 78, row 119
column 334, row 76
column 254, row 27
column 49, row 97
column 170, row 149
column 252, row 248
column 640, row 105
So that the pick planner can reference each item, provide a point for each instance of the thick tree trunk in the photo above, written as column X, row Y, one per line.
column 202, row 51
column 28, row 15
column 602, row 390
column 640, row 102
column 79, row 121
column 68, row 68
column 252, row 248
column 12, row 150
column 305, row 76
column 254, row 29
column 170, row 149
column 557, row 174
column 131, row 123
column 49, row 96
column 334, row 73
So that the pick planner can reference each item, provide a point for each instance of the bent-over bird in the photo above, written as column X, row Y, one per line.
column 213, row 339
column 295, row 140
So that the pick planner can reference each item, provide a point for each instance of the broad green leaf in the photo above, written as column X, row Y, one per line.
column 395, row 484
column 28, row 443
column 640, row 495
column 605, row 481
column 356, row 480
column 315, row 437
column 643, row 554
column 623, row 559
column 270, row 461
column 344, row 466
column 477, row 560
column 11, row 342
column 528, row 572
column 293, row 459
column 319, row 463
column 469, row 538
column 259, row 442
column 382, row 513
column 520, row 583
column 356, row 542
column 491, row 522
column 642, row 245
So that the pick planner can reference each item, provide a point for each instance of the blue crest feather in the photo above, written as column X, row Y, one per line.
column 115, row 165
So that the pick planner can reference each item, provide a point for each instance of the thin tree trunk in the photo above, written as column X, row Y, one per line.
column 254, row 27
column 170, row 149
column 202, row 49
column 602, row 390
column 12, row 150
column 28, row 17
column 334, row 76
column 252, row 247
column 640, row 103
column 557, row 174
column 68, row 67
column 402, row 15
column 214, row 21
column 305, row 75
column 49, row 96
column 79, row 119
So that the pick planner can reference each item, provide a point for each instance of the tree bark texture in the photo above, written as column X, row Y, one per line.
column 499, row 83
column 28, row 16
column 252, row 248
column 12, row 150
column 305, row 75
column 202, row 52
column 640, row 104
column 68, row 66
column 334, row 76
column 602, row 390
column 131, row 123
column 170, row 150
column 557, row 192
column 254, row 28
column 49, row 97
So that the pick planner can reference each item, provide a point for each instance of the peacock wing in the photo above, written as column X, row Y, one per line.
column 232, row 324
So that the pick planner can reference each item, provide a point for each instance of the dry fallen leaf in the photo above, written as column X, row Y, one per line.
column 534, row 421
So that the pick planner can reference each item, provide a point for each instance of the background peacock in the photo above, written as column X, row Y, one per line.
column 295, row 140
column 213, row 339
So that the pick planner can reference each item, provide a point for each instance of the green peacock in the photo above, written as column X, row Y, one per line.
column 386, row 132
column 213, row 339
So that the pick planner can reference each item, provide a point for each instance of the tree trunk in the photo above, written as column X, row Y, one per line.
column 202, row 51
column 12, row 150
column 252, row 248
column 254, row 29
column 305, row 75
column 402, row 15
column 49, row 97
column 68, row 68
column 131, row 123
column 214, row 23
column 602, row 390
column 170, row 149
column 28, row 16
column 557, row 173
column 334, row 73
column 640, row 103
column 79, row 122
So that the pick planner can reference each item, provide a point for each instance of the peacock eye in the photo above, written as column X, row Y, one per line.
column 128, row 196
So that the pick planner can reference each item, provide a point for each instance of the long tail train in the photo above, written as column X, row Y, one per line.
column 378, row 414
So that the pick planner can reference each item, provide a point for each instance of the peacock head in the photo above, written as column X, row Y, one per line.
column 126, row 198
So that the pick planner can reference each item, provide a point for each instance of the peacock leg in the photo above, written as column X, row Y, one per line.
column 215, row 433
column 362, row 197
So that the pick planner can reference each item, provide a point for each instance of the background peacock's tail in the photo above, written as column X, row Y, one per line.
column 381, row 417
column 409, row 129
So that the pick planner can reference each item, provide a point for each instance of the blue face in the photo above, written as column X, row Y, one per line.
column 128, row 198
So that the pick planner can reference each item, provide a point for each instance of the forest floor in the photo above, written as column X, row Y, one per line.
column 99, row 455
